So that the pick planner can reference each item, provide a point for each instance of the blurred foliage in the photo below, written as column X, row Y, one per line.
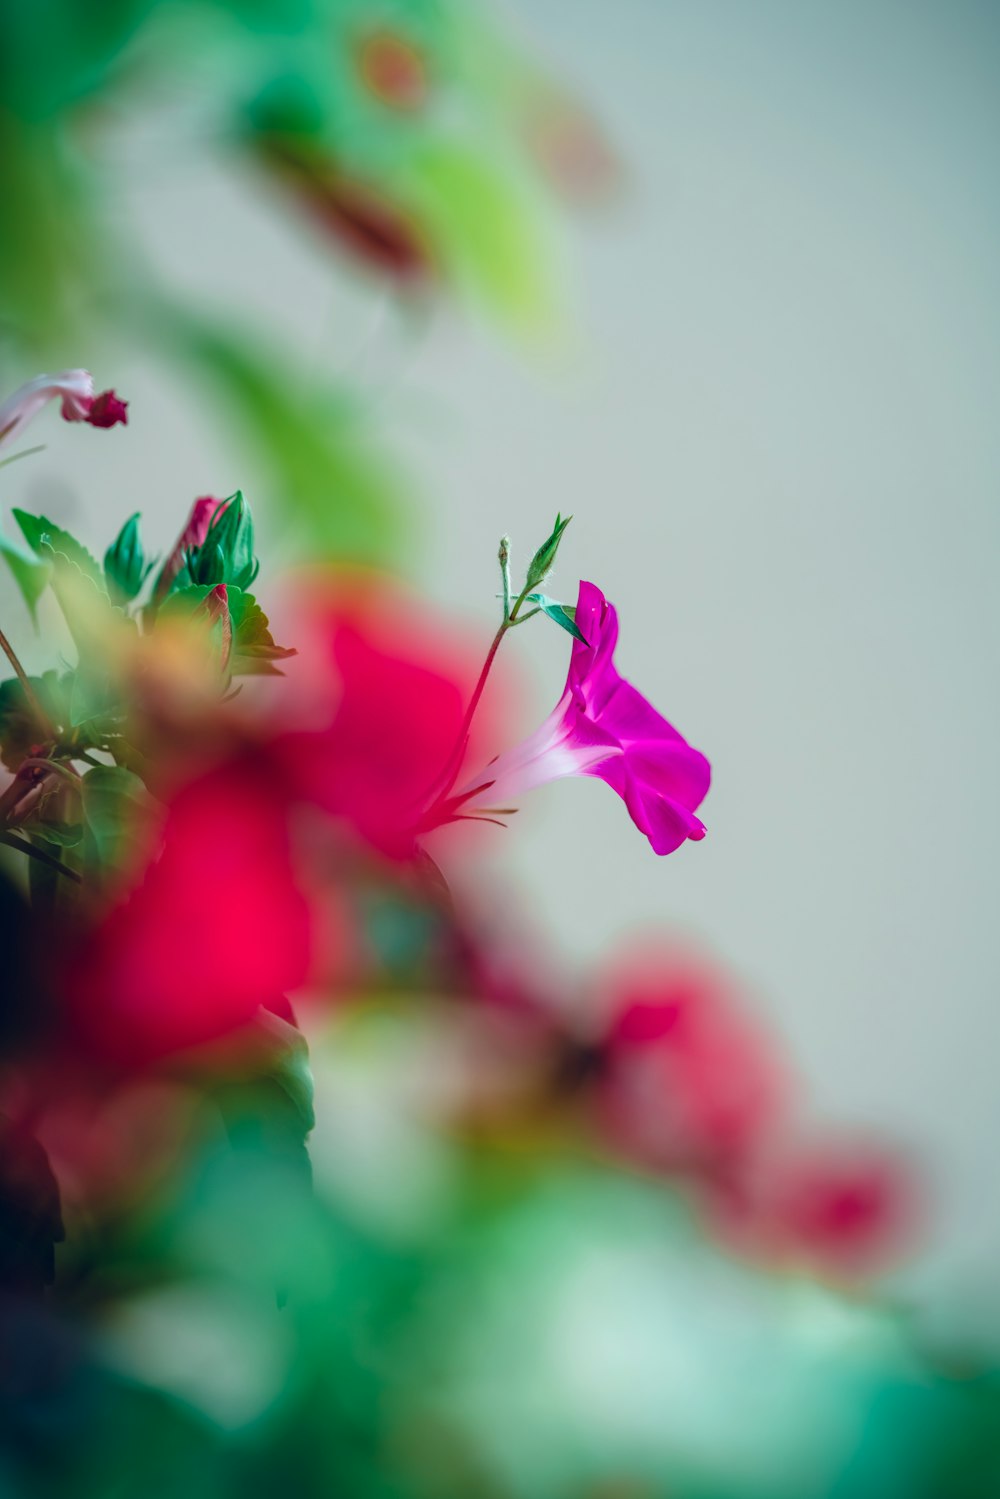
column 433, row 1270
column 400, row 132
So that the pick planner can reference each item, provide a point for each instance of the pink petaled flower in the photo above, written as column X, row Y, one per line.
column 602, row 726
column 74, row 388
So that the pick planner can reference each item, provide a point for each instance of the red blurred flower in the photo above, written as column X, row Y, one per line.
column 217, row 927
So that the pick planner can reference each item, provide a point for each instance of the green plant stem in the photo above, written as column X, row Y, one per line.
column 454, row 761
column 59, row 769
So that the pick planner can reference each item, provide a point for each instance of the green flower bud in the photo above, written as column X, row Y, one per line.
column 542, row 561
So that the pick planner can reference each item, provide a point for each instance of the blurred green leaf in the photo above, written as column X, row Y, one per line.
column 19, row 729
column 54, row 52
column 334, row 495
column 487, row 229
column 118, row 811
column 31, row 573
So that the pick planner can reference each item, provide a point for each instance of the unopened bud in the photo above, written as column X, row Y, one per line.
column 216, row 606
column 542, row 561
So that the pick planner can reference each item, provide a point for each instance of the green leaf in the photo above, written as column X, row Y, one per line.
column 118, row 811
column 125, row 563
column 324, row 476
column 542, row 562
column 45, row 537
column 184, row 602
column 489, row 231
column 290, row 1068
column 20, row 731
column 563, row 614
column 31, row 573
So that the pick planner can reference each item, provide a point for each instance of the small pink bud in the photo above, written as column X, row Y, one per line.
column 196, row 528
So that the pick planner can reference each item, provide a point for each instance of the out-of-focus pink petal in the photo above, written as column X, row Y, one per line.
column 690, row 1082
column 196, row 528
column 74, row 388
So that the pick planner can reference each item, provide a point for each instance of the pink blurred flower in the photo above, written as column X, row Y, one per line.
column 75, row 389
column 373, row 707
column 196, row 528
column 393, row 727
column 689, row 1081
column 841, row 1206
column 601, row 726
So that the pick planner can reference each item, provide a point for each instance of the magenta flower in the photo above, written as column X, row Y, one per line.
column 75, row 388
column 602, row 726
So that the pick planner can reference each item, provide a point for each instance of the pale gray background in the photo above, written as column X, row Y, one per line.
column 777, row 431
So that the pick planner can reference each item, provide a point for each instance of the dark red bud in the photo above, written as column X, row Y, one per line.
column 107, row 410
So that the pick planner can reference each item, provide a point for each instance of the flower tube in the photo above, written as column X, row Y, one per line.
column 75, row 389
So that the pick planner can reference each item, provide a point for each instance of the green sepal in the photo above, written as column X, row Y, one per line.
column 205, row 568
column 253, row 650
column 563, row 614
column 125, row 567
column 226, row 555
column 31, row 573
column 542, row 562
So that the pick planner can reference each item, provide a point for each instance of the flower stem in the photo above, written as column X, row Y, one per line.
column 449, row 774
column 504, row 559
column 44, row 722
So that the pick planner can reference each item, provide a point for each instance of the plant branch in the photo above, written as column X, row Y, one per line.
column 34, row 703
